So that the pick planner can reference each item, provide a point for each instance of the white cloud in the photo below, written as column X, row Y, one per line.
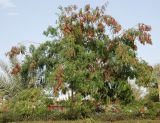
column 13, row 13
column 7, row 4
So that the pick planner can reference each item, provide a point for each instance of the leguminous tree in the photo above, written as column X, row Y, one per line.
column 90, row 55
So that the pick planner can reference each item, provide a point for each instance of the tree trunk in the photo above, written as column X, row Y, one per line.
column 72, row 95
column 53, row 89
column 159, row 90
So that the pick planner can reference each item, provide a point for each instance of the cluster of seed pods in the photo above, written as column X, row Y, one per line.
column 16, row 69
column 15, row 51
column 145, row 37
column 90, row 21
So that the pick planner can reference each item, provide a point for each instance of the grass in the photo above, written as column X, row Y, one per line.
column 92, row 121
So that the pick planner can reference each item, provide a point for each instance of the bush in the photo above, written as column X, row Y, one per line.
column 23, row 110
column 79, row 110
column 153, row 95
column 152, row 109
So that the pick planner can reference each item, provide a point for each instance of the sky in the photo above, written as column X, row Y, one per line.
column 23, row 21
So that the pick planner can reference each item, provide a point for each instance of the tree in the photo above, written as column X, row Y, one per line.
column 9, row 84
column 86, row 59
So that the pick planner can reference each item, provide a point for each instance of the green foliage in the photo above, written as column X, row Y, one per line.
column 84, row 59
column 153, row 94
column 50, row 31
column 142, row 109
column 27, row 102
column 9, row 84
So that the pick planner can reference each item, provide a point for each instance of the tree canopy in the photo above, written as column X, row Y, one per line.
column 90, row 55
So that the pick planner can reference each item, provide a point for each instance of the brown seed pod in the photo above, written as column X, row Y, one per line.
column 16, row 69
column 100, row 27
column 143, row 27
column 134, row 47
column 117, row 28
column 90, row 33
column 33, row 65
column 87, row 7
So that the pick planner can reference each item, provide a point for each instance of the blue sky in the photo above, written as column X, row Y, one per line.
column 25, row 20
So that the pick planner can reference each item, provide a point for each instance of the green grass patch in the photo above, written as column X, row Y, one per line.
column 93, row 121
